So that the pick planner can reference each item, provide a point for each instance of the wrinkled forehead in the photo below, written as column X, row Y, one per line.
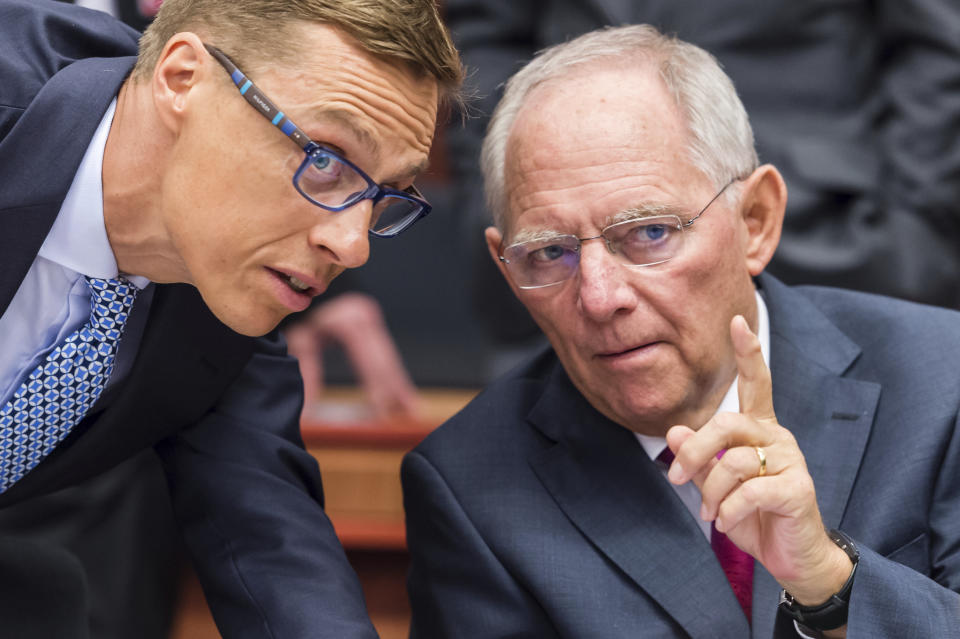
column 580, row 138
column 333, row 74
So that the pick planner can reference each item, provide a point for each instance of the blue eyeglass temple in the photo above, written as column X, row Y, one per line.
column 255, row 97
column 262, row 103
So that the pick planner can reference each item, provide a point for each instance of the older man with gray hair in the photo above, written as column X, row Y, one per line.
column 703, row 451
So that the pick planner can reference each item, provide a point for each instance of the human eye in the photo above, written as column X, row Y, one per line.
column 545, row 254
column 646, row 241
column 325, row 166
column 647, row 233
column 325, row 176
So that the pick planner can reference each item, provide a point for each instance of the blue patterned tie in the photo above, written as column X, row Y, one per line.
column 58, row 393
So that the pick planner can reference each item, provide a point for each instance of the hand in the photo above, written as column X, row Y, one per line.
column 773, row 517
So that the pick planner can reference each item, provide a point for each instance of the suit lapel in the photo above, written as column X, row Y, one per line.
column 608, row 488
column 185, row 361
column 34, row 184
column 830, row 415
column 616, row 496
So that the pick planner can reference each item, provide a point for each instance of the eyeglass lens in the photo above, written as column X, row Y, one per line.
column 552, row 260
column 327, row 180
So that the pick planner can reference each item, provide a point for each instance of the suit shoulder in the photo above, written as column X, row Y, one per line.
column 38, row 38
column 493, row 418
column 863, row 314
column 911, row 349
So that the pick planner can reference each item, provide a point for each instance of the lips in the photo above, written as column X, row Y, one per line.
column 616, row 353
column 288, row 288
column 299, row 283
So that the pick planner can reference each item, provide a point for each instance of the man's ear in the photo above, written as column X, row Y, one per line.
column 177, row 72
column 763, row 201
column 494, row 238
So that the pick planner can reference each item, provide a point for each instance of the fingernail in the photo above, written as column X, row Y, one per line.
column 676, row 473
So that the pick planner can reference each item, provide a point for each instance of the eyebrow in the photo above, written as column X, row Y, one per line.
column 346, row 119
column 643, row 211
column 366, row 138
column 537, row 235
column 640, row 212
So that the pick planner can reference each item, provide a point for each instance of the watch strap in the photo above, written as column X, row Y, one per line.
column 833, row 612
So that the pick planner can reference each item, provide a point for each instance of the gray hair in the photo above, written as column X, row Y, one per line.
column 721, row 140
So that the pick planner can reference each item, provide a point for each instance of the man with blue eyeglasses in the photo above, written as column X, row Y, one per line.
column 702, row 451
column 162, row 207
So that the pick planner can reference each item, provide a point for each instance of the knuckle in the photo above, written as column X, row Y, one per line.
column 750, row 492
column 725, row 422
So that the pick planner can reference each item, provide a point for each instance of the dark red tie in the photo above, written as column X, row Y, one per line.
column 736, row 564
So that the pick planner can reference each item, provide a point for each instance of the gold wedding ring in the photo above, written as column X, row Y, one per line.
column 763, row 461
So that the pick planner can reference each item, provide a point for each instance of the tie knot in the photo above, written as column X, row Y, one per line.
column 110, row 303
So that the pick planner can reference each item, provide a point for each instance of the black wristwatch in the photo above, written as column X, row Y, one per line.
column 811, row 620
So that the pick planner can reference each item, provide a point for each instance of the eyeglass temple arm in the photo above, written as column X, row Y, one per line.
column 714, row 199
column 252, row 94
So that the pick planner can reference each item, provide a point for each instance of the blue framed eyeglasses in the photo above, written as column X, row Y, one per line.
column 554, row 259
column 328, row 179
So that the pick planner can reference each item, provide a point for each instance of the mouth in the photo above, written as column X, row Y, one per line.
column 297, row 283
column 617, row 354
column 294, row 290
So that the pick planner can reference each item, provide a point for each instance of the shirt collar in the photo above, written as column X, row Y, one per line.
column 731, row 401
column 78, row 238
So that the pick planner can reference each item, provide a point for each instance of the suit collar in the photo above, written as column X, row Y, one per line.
column 64, row 110
column 615, row 495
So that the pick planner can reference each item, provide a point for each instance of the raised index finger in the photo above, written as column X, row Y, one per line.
column 754, row 386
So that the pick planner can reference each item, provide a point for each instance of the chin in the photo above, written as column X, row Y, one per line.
column 250, row 324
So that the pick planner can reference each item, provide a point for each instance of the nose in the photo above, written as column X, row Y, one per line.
column 343, row 235
column 603, row 283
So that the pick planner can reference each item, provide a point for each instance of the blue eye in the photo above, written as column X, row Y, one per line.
column 553, row 252
column 654, row 231
column 322, row 162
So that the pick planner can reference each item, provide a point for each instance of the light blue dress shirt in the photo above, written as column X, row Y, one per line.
column 53, row 300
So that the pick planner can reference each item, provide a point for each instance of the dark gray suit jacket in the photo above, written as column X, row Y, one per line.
column 529, row 514
column 854, row 101
column 222, row 410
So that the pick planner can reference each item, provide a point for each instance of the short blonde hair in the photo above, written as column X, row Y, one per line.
column 257, row 31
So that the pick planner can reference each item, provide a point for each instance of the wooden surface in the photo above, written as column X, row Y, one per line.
column 359, row 457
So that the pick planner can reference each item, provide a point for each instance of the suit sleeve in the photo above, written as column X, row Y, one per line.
column 891, row 597
column 248, row 498
column 457, row 586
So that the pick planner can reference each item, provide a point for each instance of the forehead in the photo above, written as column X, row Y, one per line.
column 372, row 102
column 592, row 145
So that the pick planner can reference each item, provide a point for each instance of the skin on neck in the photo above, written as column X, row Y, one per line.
column 133, row 163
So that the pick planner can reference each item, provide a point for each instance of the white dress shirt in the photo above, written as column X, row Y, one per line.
column 53, row 300
column 689, row 493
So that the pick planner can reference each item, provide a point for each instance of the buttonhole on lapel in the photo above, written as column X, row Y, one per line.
column 850, row 417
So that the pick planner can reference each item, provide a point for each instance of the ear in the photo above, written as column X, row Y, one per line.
column 762, row 204
column 178, row 72
column 494, row 239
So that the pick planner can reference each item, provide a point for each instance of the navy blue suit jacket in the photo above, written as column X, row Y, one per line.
column 222, row 410
column 529, row 514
